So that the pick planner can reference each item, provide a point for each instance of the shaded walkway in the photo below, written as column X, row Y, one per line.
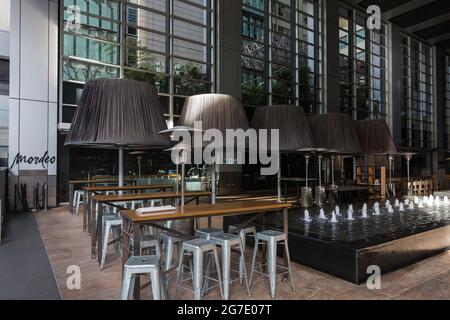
column 25, row 271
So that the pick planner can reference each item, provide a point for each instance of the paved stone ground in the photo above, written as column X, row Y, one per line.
column 67, row 245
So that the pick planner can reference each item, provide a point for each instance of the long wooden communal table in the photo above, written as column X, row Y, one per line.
column 91, row 182
column 96, row 230
column 133, row 221
column 97, row 190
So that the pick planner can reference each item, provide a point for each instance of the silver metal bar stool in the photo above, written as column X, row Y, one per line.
column 141, row 265
column 206, row 233
column 273, row 238
column 243, row 233
column 110, row 223
column 227, row 241
column 197, row 248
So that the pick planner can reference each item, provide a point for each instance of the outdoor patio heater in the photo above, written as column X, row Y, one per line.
column 376, row 139
column 294, row 131
column 214, row 111
column 335, row 134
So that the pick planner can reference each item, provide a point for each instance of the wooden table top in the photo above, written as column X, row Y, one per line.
column 99, row 181
column 208, row 210
column 128, row 188
column 148, row 196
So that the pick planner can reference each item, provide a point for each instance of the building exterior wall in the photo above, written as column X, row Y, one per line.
column 36, row 103
column 33, row 100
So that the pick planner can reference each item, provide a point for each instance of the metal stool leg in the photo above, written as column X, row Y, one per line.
column 226, row 264
column 216, row 257
column 255, row 252
column 272, row 265
column 105, row 244
column 125, row 286
column 286, row 248
column 156, row 285
column 242, row 262
column 180, row 267
column 198, row 273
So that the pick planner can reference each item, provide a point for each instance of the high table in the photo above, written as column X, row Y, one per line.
column 88, row 191
column 349, row 189
column 90, row 182
column 133, row 221
column 97, row 230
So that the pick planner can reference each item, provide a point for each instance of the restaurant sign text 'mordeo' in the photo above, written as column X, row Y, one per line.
column 33, row 160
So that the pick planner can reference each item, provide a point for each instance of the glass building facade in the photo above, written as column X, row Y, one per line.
column 283, row 50
column 416, row 95
column 168, row 43
column 362, row 64
column 447, row 103
column 281, row 53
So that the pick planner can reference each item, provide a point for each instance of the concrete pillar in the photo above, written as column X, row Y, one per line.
column 228, row 49
column 33, row 96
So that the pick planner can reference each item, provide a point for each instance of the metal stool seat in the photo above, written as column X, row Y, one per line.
column 109, row 224
column 243, row 232
column 137, row 266
column 147, row 242
column 206, row 233
column 227, row 241
column 273, row 238
column 197, row 248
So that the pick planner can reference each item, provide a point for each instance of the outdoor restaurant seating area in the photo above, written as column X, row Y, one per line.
column 200, row 156
column 173, row 242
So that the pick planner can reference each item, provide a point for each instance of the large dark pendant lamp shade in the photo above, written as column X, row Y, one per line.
column 376, row 139
column 119, row 114
column 215, row 111
column 335, row 131
column 294, row 131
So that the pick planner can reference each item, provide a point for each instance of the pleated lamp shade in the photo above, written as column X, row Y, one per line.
column 294, row 130
column 215, row 111
column 117, row 113
column 335, row 131
column 375, row 137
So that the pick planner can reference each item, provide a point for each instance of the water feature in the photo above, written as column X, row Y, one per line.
column 307, row 217
column 338, row 211
column 333, row 217
column 397, row 203
column 322, row 215
column 401, row 207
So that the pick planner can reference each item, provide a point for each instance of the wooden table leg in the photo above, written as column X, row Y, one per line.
column 137, row 252
column 71, row 198
column 286, row 231
column 99, row 232
column 89, row 213
column 125, row 243
column 93, row 232
column 85, row 209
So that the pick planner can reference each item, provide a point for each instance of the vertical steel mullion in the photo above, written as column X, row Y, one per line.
column 122, row 48
column 268, row 51
column 169, row 59
column 209, row 53
column 316, row 51
column 294, row 53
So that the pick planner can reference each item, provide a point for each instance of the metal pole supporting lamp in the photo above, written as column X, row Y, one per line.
column 118, row 114
column 294, row 131
column 408, row 157
column 376, row 139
